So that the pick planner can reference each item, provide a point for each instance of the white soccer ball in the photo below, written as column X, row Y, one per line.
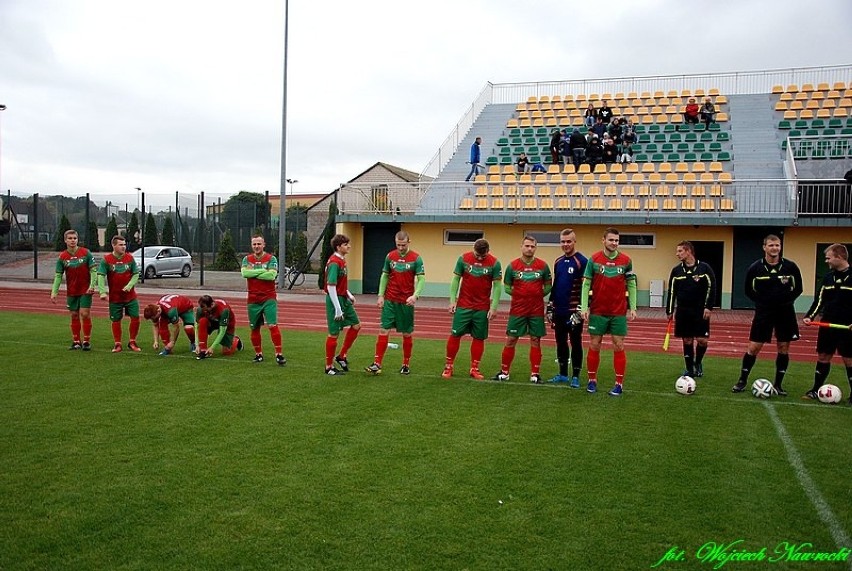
column 685, row 385
column 762, row 389
column 830, row 394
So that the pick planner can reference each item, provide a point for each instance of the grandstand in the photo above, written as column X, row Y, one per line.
column 773, row 161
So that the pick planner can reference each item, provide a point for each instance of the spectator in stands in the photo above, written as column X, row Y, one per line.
column 605, row 113
column 626, row 155
column 577, row 142
column 538, row 167
column 628, row 135
column 594, row 152
column 565, row 147
column 599, row 128
column 590, row 116
column 555, row 146
column 690, row 114
column 708, row 113
column 848, row 177
column 523, row 164
column 475, row 158
column 615, row 130
column 610, row 151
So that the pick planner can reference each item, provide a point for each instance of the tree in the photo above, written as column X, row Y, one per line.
column 226, row 257
column 327, row 235
column 111, row 232
column 168, row 232
column 299, row 256
column 185, row 241
column 243, row 211
column 200, row 236
column 133, row 234
column 92, row 241
column 152, row 237
column 64, row 224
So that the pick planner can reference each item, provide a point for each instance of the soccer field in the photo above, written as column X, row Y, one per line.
column 135, row 461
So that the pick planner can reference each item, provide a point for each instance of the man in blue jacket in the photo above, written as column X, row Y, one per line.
column 475, row 158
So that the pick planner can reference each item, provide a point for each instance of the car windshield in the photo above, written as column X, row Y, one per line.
column 150, row 252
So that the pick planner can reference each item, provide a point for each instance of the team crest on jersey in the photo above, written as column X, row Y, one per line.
column 784, row 279
column 696, row 278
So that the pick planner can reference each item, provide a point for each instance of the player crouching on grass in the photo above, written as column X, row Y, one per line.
column 215, row 315
column 165, row 317
column 78, row 265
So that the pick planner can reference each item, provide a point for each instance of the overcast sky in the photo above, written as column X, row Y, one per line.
column 186, row 95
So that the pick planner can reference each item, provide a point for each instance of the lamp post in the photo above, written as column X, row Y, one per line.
column 291, row 182
column 282, row 226
column 3, row 108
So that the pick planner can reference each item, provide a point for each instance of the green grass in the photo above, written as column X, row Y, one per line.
column 135, row 461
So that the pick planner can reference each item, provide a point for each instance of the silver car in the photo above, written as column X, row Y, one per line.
column 163, row 261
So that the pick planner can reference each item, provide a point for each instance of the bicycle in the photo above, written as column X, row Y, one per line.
column 293, row 276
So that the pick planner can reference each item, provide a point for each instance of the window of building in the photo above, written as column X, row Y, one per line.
column 467, row 237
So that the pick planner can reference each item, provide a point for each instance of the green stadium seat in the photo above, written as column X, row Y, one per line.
column 541, row 131
column 514, row 132
column 784, row 125
column 682, row 147
column 675, row 138
column 660, row 138
column 517, row 141
column 849, row 121
column 839, row 150
column 715, row 147
column 658, row 158
column 517, row 150
column 507, row 160
column 544, row 141
column 691, row 137
column 690, row 158
column 846, row 131
column 533, row 151
column 673, row 158
column 723, row 136
column 784, row 144
column 795, row 133
column 502, row 142
column 669, row 128
column 811, row 133
column 667, row 148
column 801, row 124
column 707, row 137
column 654, row 128
column 652, row 148
column 706, row 157
column 536, row 159
column 492, row 160
column 643, row 138
column 530, row 141
column 699, row 147
column 715, row 127
column 528, row 132
column 639, row 129
column 818, row 124
column 835, row 123
column 641, row 158
column 723, row 156
column 829, row 133
column 505, row 151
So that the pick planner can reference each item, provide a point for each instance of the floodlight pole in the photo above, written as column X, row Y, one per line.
column 9, row 205
column 282, row 216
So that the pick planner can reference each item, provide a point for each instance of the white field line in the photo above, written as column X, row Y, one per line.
column 838, row 533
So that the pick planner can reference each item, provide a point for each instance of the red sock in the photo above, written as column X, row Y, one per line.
column 453, row 344
column 256, row 342
column 202, row 334
column 477, row 348
column 593, row 361
column 190, row 332
column 349, row 340
column 75, row 328
column 535, row 359
column 134, row 328
column 407, row 345
column 381, row 347
column 619, row 363
column 116, row 331
column 232, row 349
column 87, row 328
column 330, row 349
column 506, row 359
column 275, row 334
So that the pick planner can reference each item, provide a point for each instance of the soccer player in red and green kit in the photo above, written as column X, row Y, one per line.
column 260, row 270
column 339, row 311
column 474, row 297
column 118, row 269
column 610, row 280
column 528, row 280
column 400, row 286
column 215, row 315
column 165, row 317
column 78, row 265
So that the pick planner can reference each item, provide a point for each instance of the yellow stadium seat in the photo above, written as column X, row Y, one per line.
column 493, row 169
column 786, row 97
column 806, row 114
column 581, row 204
column 725, row 178
column 600, row 168
column 632, row 168
column 511, row 190
column 572, row 178
column 530, row 204
column 706, row 204
column 508, row 170
column 699, row 167
column 688, row 178
column 628, row 190
column 698, row 190
column 713, row 92
column 790, row 115
column 817, row 96
column 829, row 104
column 637, row 178
column 588, row 178
column 807, row 87
column 544, row 191
column 560, row 190
column 481, row 203
column 721, row 117
column 813, row 104
column 823, row 114
column 648, row 168
column 792, row 88
column 716, row 190
column 726, row 204
column 576, row 190
column 669, row 204
column 466, row 203
column 563, row 204
column 497, row 190
column 647, row 119
column 652, row 204
column 540, row 178
column 681, row 167
column 721, row 100
column 621, row 178
column 679, row 190
column 687, row 204
column 777, row 89
column 662, row 118
column 596, row 204
column 706, row 178
column 481, row 191
column 615, row 168
column 547, row 204
column 839, row 85
column 525, row 178
column 584, row 168
column 614, row 204
column 593, row 190
column 479, row 179
column 781, row 106
column 513, row 203
column 556, row 178
column 671, row 178
column 512, row 124
column 632, row 204
column 840, row 112
column 610, row 190
column 802, row 96
column 716, row 166
column 569, row 169
column 497, row 204
column 528, row 190
column 699, row 92
column 604, row 178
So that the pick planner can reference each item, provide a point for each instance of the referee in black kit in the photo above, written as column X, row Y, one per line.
column 692, row 290
column 834, row 302
column 773, row 283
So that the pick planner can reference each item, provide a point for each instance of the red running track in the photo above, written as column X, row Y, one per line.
column 728, row 339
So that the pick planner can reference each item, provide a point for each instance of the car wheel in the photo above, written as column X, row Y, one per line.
column 186, row 271
column 150, row 272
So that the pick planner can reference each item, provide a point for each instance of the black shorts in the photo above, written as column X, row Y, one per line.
column 830, row 341
column 690, row 322
column 782, row 320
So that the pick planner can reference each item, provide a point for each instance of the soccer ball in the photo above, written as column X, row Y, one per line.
column 762, row 389
column 830, row 394
column 685, row 385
